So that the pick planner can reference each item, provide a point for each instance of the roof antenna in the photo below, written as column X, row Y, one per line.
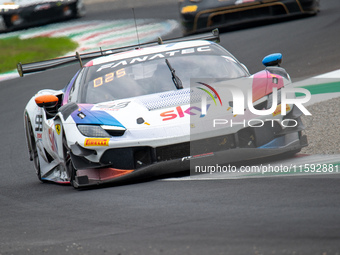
column 79, row 59
column 134, row 17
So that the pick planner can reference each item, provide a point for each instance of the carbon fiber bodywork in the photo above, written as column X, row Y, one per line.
column 202, row 15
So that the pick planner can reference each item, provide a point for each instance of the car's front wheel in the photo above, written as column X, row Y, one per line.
column 70, row 169
column 80, row 9
column 32, row 146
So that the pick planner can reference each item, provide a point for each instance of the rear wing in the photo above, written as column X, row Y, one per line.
column 56, row 62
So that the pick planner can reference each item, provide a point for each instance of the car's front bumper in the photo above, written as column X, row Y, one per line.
column 121, row 164
column 92, row 177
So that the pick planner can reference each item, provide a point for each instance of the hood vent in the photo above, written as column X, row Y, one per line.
column 171, row 98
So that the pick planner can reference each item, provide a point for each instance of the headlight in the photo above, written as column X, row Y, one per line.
column 189, row 8
column 101, row 131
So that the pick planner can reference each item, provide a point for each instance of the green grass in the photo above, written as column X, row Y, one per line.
column 14, row 50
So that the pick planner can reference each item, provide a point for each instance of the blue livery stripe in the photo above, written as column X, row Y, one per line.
column 94, row 117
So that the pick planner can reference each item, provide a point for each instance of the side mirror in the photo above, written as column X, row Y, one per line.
column 272, row 60
column 46, row 101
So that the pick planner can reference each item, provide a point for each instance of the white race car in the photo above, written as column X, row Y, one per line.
column 156, row 109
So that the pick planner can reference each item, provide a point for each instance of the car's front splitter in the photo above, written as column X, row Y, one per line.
column 92, row 177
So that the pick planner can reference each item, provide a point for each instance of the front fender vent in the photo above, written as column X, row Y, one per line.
column 114, row 130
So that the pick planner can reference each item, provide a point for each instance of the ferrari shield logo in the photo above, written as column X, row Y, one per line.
column 57, row 128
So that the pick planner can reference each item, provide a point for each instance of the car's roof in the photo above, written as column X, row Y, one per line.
column 147, row 51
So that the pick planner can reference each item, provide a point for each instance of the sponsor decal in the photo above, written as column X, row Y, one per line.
column 179, row 112
column 51, row 136
column 278, row 110
column 39, row 123
column 58, row 128
column 96, row 142
column 111, row 106
column 162, row 55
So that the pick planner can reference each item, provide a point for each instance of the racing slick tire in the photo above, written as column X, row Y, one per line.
column 80, row 10
column 32, row 146
column 70, row 169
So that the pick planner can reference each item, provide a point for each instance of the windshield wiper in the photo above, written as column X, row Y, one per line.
column 177, row 81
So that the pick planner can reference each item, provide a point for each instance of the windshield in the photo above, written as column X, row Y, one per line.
column 150, row 74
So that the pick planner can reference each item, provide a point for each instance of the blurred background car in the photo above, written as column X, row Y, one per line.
column 17, row 14
column 202, row 15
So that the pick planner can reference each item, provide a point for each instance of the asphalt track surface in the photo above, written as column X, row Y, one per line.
column 277, row 215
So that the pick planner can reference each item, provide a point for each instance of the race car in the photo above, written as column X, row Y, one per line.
column 201, row 15
column 149, row 109
column 18, row 14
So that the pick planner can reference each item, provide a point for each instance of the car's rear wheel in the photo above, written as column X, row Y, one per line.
column 32, row 146
column 71, row 171
column 80, row 9
column 3, row 26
